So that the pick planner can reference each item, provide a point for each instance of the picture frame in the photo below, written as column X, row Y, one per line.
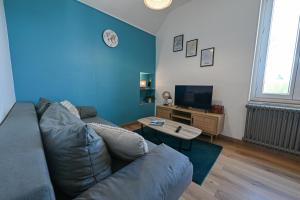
column 191, row 48
column 178, row 43
column 207, row 57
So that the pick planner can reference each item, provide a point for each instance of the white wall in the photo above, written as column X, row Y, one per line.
column 7, row 93
column 228, row 25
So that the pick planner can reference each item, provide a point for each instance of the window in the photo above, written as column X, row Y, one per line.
column 276, row 75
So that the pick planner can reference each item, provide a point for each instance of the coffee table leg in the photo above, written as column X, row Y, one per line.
column 142, row 128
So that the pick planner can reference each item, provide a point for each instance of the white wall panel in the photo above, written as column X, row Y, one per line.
column 7, row 93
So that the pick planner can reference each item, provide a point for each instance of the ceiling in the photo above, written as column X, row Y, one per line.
column 135, row 12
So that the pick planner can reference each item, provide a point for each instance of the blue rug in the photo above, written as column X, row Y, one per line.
column 203, row 155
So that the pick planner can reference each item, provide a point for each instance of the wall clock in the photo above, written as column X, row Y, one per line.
column 110, row 38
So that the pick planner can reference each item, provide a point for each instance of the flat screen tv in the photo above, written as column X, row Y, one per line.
column 194, row 96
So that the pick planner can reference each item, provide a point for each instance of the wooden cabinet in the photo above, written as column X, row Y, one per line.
column 164, row 113
column 210, row 123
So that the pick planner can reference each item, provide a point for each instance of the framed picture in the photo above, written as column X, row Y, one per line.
column 207, row 57
column 191, row 48
column 178, row 43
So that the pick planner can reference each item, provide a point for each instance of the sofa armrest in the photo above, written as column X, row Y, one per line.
column 23, row 167
column 161, row 174
column 86, row 111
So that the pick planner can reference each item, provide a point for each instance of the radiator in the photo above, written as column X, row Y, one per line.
column 273, row 126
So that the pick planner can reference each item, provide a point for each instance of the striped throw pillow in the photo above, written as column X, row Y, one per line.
column 70, row 107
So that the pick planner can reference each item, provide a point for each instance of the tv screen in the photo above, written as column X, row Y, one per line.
column 194, row 96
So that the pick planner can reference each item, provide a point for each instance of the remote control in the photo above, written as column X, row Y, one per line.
column 178, row 129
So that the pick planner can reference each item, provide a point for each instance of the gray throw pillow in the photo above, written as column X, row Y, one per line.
column 42, row 106
column 77, row 157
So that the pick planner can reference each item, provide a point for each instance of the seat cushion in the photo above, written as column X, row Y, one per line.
column 150, row 145
column 77, row 156
column 163, row 173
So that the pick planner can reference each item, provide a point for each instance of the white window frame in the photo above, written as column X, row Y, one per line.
column 259, row 63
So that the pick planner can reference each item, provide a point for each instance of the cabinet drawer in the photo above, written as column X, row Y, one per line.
column 163, row 113
column 206, row 123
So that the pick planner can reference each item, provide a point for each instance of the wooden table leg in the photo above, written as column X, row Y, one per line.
column 142, row 128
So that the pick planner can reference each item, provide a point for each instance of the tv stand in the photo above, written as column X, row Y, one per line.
column 210, row 123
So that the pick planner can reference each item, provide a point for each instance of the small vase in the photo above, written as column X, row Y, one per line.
column 170, row 102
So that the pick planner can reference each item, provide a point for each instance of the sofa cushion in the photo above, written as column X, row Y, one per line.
column 163, row 173
column 70, row 107
column 76, row 155
column 42, row 106
column 87, row 111
column 122, row 143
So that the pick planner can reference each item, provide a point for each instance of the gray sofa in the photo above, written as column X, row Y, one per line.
column 161, row 174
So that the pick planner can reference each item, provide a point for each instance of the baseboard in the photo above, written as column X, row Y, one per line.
column 231, row 139
column 258, row 147
column 129, row 124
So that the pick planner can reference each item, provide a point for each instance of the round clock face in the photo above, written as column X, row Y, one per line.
column 110, row 38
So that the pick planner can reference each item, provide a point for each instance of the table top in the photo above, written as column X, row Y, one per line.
column 187, row 132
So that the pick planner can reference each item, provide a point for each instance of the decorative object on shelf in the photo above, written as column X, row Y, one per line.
column 166, row 95
column 191, row 48
column 217, row 109
column 150, row 83
column 143, row 84
column 158, row 4
column 110, row 38
column 149, row 99
column 170, row 101
column 147, row 88
column 178, row 43
column 207, row 57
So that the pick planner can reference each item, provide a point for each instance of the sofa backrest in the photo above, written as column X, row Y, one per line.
column 23, row 168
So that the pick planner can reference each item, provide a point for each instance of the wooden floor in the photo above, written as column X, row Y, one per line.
column 246, row 171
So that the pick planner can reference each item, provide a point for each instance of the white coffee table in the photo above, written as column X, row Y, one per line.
column 187, row 132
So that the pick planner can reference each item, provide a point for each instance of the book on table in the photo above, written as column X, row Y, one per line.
column 157, row 122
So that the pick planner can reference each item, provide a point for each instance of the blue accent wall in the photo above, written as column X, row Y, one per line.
column 57, row 52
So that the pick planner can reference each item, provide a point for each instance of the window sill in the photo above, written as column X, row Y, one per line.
column 275, row 102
